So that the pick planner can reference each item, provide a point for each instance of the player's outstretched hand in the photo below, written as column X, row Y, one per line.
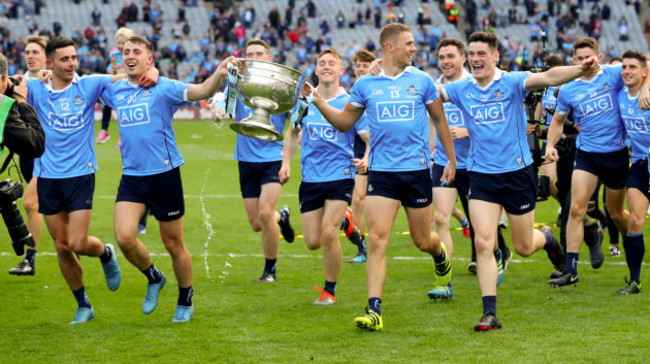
column 149, row 77
column 45, row 75
column 21, row 90
column 361, row 165
column 458, row 133
column 375, row 67
column 590, row 65
column 224, row 66
column 551, row 154
column 448, row 174
column 285, row 173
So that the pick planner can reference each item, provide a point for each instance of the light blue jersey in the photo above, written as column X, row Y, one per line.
column 144, row 116
column 397, row 118
column 68, row 119
column 252, row 150
column 455, row 118
column 497, row 130
column 549, row 101
column 594, row 109
column 637, row 124
column 326, row 152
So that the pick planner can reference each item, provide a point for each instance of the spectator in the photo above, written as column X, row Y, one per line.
column 401, row 17
column 155, row 14
column 181, row 11
column 368, row 15
column 370, row 45
column 132, row 12
column 177, row 32
column 512, row 14
column 623, row 31
column 377, row 18
column 288, row 16
column 492, row 16
column 534, row 31
column 89, row 33
column 340, row 19
column 186, row 30
column 146, row 11
column 274, row 17
column 96, row 16
column 502, row 18
column 311, row 9
column 57, row 27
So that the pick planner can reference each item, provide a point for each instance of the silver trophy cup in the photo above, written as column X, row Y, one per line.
column 267, row 88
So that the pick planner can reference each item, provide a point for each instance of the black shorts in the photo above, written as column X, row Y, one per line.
column 611, row 168
column 412, row 188
column 65, row 194
column 461, row 180
column 312, row 196
column 638, row 177
column 27, row 168
column 161, row 193
column 516, row 191
column 253, row 175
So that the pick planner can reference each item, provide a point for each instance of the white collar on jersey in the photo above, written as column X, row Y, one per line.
column 341, row 92
column 48, row 85
column 627, row 92
column 497, row 76
column 407, row 69
column 463, row 76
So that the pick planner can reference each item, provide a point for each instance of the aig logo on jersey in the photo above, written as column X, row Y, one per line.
column 395, row 111
column 133, row 115
column 635, row 124
column 322, row 131
column 488, row 113
column 65, row 121
column 597, row 105
column 455, row 117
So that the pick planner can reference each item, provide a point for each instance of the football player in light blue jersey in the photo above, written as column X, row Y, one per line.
column 601, row 150
column 499, row 161
column 328, row 171
column 259, row 175
column 637, row 122
column 34, row 54
column 396, row 103
column 66, row 171
column 151, row 175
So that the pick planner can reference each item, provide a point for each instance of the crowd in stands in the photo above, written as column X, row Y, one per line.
column 287, row 31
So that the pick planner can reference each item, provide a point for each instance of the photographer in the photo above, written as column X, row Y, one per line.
column 21, row 133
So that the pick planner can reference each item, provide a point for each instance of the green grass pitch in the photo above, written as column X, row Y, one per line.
column 239, row 320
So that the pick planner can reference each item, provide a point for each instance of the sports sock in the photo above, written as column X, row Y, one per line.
column 374, row 304
column 549, row 239
column 106, row 255
column 153, row 274
column 330, row 287
column 498, row 255
column 441, row 258
column 81, row 297
column 30, row 256
column 572, row 263
column 489, row 305
column 361, row 248
column 269, row 265
column 464, row 223
column 502, row 242
column 634, row 252
column 345, row 224
column 185, row 296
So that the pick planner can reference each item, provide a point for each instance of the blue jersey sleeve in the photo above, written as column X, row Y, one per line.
column 614, row 73
column 94, row 85
column 362, row 125
column 175, row 92
column 430, row 92
column 357, row 93
column 519, row 81
column 31, row 86
column 563, row 105
column 452, row 89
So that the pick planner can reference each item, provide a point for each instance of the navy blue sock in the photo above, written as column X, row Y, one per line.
column 361, row 248
column 185, row 296
column 330, row 287
column 81, row 297
column 464, row 223
column 572, row 263
column 489, row 305
column 269, row 265
column 153, row 274
column 374, row 304
column 345, row 224
column 498, row 255
column 440, row 258
column 30, row 256
column 634, row 252
column 549, row 240
column 106, row 255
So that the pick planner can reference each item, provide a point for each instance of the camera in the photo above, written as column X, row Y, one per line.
column 20, row 236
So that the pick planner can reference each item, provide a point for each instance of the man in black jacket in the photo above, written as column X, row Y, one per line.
column 22, row 133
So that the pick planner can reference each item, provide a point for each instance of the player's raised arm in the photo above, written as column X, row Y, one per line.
column 561, row 75
column 206, row 89
column 342, row 120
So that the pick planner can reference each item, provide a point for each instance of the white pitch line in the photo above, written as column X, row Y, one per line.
column 112, row 197
column 303, row 256
column 206, row 221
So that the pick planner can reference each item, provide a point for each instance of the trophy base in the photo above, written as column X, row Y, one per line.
column 257, row 130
